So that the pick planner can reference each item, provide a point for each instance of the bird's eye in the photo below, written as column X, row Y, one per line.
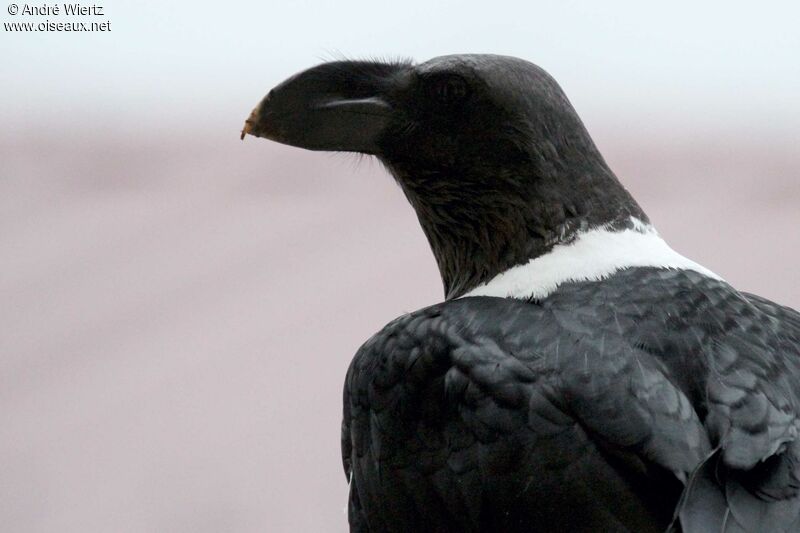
column 448, row 89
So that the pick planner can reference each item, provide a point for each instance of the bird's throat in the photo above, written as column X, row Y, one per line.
column 479, row 234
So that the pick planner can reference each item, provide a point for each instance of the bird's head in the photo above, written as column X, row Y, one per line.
column 449, row 112
column 487, row 148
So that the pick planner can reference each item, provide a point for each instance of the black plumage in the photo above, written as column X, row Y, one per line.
column 567, row 414
column 651, row 397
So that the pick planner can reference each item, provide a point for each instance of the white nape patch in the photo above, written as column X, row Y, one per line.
column 592, row 256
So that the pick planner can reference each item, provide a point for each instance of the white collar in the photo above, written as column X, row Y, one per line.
column 593, row 255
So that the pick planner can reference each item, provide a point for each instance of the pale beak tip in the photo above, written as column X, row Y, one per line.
column 250, row 123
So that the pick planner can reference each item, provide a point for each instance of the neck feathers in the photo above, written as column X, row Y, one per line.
column 593, row 255
column 479, row 227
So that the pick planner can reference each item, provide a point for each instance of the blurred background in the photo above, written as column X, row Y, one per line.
column 178, row 308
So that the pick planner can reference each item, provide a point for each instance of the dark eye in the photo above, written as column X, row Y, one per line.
column 448, row 89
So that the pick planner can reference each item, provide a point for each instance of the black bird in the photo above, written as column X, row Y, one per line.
column 580, row 375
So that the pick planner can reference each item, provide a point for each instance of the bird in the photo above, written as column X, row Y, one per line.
column 579, row 375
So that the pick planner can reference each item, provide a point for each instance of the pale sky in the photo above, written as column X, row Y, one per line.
column 730, row 62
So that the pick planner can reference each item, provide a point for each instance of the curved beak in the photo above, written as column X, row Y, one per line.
column 337, row 106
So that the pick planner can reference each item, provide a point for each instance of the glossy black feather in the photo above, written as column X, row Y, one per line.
column 585, row 411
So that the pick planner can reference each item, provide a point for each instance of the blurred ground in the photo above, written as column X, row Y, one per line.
column 179, row 310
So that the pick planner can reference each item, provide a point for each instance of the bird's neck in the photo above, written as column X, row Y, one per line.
column 479, row 228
